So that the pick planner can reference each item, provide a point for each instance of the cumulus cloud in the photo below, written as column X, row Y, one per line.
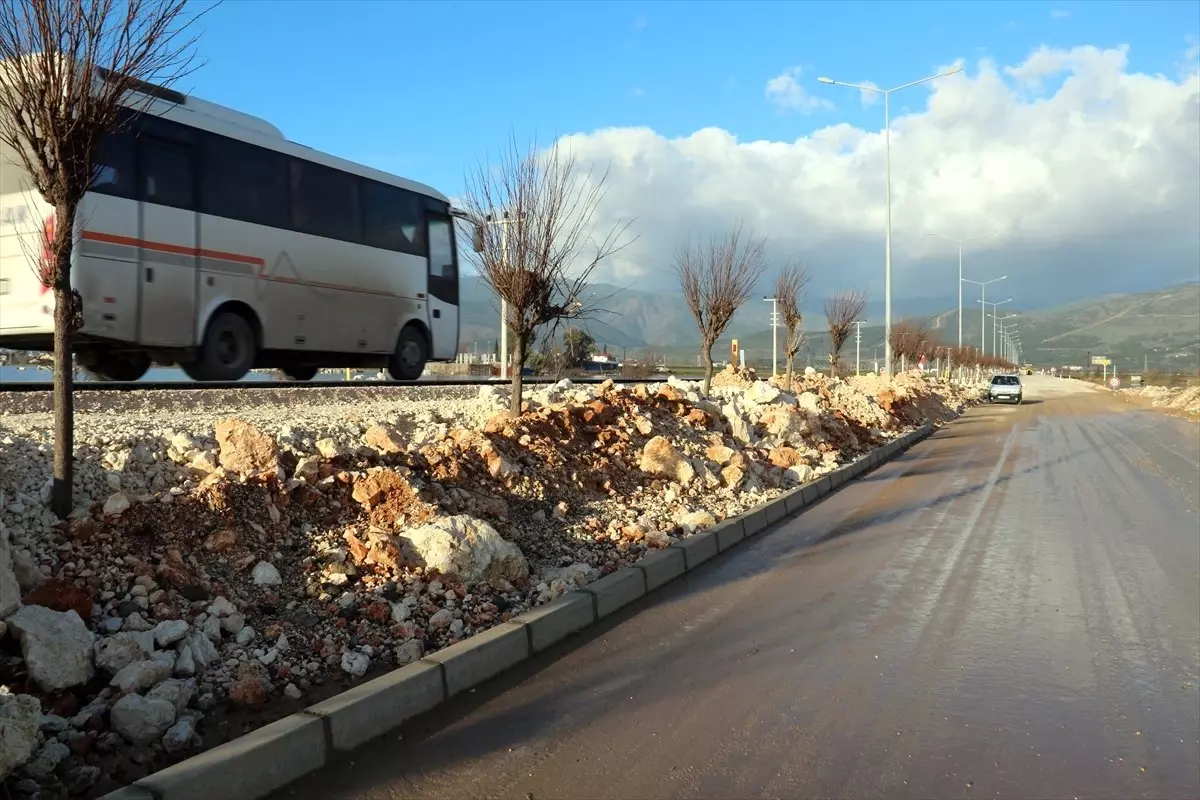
column 1092, row 184
column 787, row 93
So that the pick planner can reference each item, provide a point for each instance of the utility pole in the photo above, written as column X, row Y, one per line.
column 774, row 301
column 503, row 222
column 857, row 342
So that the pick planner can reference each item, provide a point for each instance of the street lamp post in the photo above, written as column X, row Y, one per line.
column 774, row 301
column 995, row 319
column 960, row 243
column 887, row 257
column 983, row 310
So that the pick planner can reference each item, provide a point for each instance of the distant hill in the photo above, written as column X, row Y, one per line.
column 1159, row 329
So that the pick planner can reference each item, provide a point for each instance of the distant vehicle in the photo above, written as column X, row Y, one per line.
column 210, row 241
column 1006, row 388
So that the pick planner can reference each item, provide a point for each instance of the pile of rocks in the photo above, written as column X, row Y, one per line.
column 235, row 567
column 1180, row 398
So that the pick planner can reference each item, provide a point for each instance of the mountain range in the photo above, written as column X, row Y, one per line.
column 1156, row 330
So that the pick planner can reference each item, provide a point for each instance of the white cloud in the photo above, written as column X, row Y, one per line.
column 1091, row 186
column 1060, row 13
column 785, row 91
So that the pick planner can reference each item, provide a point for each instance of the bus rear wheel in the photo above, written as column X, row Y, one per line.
column 118, row 367
column 227, row 352
column 412, row 351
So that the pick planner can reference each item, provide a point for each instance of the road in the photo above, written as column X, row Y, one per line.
column 1010, row 610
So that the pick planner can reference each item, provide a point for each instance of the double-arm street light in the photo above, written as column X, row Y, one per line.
column 959, row 242
column 887, row 257
column 983, row 309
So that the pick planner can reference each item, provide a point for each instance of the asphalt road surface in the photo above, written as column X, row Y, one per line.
column 1010, row 610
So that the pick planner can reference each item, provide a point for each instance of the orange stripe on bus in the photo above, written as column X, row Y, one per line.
column 163, row 247
column 112, row 238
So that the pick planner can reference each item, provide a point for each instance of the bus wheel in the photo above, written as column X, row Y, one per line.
column 412, row 351
column 300, row 372
column 119, row 367
column 228, row 350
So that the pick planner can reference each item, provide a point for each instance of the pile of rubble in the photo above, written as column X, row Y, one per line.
column 1179, row 398
column 234, row 570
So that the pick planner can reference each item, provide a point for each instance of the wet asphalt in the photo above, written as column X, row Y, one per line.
column 1012, row 609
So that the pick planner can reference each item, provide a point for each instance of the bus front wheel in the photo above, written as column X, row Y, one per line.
column 412, row 351
column 228, row 350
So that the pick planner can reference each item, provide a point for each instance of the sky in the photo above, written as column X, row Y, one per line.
column 1070, row 143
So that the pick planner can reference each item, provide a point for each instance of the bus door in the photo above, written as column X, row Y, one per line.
column 443, row 287
column 167, row 239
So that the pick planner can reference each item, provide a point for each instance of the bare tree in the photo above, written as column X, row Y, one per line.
column 789, row 286
column 67, row 69
column 841, row 312
column 716, row 278
column 910, row 340
column 540, row 260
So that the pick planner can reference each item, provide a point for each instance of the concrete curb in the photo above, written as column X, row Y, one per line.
column 268, row 759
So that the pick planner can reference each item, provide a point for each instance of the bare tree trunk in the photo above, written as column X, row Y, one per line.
column 706, row 357
column 518, row 376
column 790, row 358
column 61, row 502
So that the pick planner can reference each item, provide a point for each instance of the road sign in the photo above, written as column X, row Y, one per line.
column 1101, row 361
column 1114, row 382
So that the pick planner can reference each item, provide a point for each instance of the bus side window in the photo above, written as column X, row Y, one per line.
column 166, row 169
column 392, row 219
column 112, row 167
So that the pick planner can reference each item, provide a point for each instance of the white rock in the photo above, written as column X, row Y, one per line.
column 265, row 574
column 234, row 623
column 212, row 629
column 575, row 575
column 170, row 631
column 185, row 662
column 442, row 618
column 114, row 653
column 56, row 645
column 180, row 736
column 137, row 623
column 245, row 636
column 292, row 692
column 141, row 720
column 10, row 590
column 220, row 607
column 19, row 714
column 282, row 644
column 178, row 692
column 400, row 612
column 203, row 651
column 117, row 503
column 355, row 663
column 761, row 393
column 409, row 652
column 142, row 675
column 466, row 548
column 696, row 521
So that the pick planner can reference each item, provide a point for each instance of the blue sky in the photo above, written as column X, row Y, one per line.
column 423, row 89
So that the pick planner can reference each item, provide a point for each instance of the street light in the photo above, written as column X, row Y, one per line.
column 995, row 308
column 774, row 301
column 983, row 310
column 959, row 242
column 887, row 258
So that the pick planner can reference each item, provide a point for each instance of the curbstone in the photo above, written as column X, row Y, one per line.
column 558, row 619
column 484, row 655
column 753, row 521
column 825, row 485
column 794, row 501
column 369, row 710
column 662, row 566
column 698, row 548
column 251, row 766
column 838, row 478
column 730, row 532
column 776, row 511
column 810, row 492
column 617, row 590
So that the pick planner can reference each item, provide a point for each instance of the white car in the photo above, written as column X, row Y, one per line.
column 1005, row 388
